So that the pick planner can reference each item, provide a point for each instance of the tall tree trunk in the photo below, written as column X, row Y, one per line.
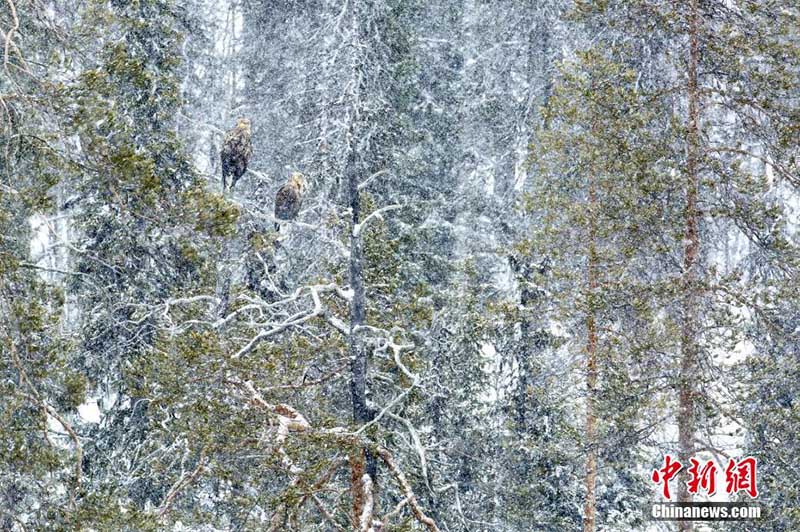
column 590, row 504
column 358, row 355
column 363, row 462
column 689, row 340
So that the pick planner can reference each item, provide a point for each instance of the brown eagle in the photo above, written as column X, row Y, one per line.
column 289, row 198
column 236, row 152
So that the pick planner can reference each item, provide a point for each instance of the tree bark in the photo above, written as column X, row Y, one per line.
column 689, row 340
column 363, row 462
column 357, row 351
column 590, row 479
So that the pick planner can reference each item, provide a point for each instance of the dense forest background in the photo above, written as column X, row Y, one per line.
column 545, row 243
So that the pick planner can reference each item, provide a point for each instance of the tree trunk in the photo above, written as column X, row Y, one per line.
column 590, row 505
column 689, row 340
column 358, row 355
column 363, row 463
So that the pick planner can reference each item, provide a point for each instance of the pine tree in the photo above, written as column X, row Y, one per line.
column 41, row 478
column 723, row 89
column 142, row 225
column 595, row 208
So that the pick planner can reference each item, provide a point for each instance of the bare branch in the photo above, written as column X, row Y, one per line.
column 185, row 480
column 367, row 181
column 378, row 214
column 398, row 475
column 368, row 504
column 10, row 34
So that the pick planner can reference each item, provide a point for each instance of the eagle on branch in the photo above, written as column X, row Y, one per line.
column 289, row 198
column 237, row 149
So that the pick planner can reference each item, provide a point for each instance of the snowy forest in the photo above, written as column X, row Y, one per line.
column 396, row 265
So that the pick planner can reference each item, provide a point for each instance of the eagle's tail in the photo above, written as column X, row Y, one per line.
column 228, row 177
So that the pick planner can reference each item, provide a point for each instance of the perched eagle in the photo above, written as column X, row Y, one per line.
column 289, row 198
column 236, row 152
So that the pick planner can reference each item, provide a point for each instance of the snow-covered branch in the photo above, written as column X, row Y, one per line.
column 378, row 214
column 364, row 184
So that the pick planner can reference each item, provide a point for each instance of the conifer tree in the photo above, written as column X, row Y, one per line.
column 595, row 207
column 722, row 88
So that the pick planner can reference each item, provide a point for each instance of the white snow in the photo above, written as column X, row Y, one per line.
column 90, row 411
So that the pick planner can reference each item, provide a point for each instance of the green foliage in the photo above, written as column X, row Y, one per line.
column 214, row 215
column 602, row 200
column 148, row 305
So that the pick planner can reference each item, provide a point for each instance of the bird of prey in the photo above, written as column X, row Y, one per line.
column 289, row 198
column 236, row 152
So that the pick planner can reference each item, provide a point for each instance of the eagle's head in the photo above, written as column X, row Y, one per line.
column 243, row 123
column 298, row 181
